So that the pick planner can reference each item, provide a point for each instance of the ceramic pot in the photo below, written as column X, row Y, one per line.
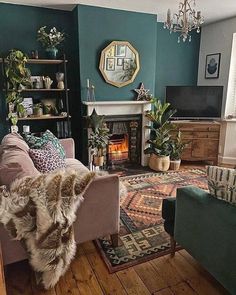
column 23, row 114
column 14, row 128
column 60, row 85
column 98, row 161
column 159, row 163
column 38, row 112
column 175, row 164
column 47, row 82
column 52, row 52
column 60, row 80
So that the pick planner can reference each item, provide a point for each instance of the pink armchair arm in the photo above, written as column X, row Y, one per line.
column 69, row 147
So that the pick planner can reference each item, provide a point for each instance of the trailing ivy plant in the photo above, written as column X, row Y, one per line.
column 18, row 77
column 160, row 138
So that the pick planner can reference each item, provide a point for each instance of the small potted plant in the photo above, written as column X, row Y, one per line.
column 14, row 119
column 50, row 40
column 98, row 141
column 159, row 143
column 38, row 110
column 22, row 113
column 177, row 148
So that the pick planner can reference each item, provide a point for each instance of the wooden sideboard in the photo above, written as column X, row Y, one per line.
column 202, row 138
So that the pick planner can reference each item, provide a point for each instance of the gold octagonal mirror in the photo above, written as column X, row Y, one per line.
column 119, row 63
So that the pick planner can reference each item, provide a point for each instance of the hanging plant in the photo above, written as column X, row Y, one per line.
column 18, row 77
column 17, row 73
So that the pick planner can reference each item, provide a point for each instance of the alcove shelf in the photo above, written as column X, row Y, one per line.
column 42, row 61
column 39, row 90
column 45, row 118
column 59, row 125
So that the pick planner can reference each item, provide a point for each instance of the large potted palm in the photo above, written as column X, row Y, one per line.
column 160, row 139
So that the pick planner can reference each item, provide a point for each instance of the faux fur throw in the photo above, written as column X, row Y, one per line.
column 40, row 212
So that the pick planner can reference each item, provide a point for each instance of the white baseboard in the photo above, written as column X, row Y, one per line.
column 227, row 160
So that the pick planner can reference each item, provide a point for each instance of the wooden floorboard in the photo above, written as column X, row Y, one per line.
column 183, row 289
column 88, row 275
column 166, row 291
column 151, row 278
column 132, row 282
column 84, row 275
column 110, row 283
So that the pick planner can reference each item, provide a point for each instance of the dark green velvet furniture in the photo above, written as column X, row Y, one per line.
column 206, row 228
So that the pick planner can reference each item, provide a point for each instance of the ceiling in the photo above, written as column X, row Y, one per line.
column 212, row 10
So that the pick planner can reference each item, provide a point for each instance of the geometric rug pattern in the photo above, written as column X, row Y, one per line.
column 142, row 236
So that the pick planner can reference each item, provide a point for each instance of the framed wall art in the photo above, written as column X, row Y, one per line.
column 120, row 61
column 121, row 50
column 212, row 67
column 127, row 63
column 110, row 64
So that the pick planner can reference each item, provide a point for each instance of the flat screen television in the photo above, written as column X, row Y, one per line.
column 195, row 102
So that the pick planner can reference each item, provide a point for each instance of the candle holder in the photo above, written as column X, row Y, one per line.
column 91, row 93
column 88, row 94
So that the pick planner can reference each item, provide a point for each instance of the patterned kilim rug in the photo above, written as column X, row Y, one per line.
column 142, row 236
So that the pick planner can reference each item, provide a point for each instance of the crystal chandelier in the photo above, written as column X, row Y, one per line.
column 186, row 20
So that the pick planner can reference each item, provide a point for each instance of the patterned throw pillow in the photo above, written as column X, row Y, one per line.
column 222, row 183
column 36, row 142
column 47, row 159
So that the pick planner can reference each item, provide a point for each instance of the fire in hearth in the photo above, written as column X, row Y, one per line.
column 118, row 148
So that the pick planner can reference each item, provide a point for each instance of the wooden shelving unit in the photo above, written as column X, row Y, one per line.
column 40, row 90
column 44, row 117
column 43, row 61
column 64, row 121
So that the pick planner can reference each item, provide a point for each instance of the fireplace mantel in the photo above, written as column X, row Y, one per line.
column 125, row 107
column 114, row 102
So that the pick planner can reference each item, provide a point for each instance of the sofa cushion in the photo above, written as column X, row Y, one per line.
column 36, row 142
column 16, row 140
column 47, row 158
column 222, row 183
column 15, row 161
column 76, row 165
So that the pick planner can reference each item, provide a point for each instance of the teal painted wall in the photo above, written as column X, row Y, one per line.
column 89, row 29
column 176, row 63
column 19, row 25
column 97, row 28
column 163, row 61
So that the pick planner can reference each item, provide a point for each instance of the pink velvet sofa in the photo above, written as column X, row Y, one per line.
column 98, row 215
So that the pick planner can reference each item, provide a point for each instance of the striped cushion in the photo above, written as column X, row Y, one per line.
column 222, row 183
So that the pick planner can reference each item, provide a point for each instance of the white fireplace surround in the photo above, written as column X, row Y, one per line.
column 109, row 108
